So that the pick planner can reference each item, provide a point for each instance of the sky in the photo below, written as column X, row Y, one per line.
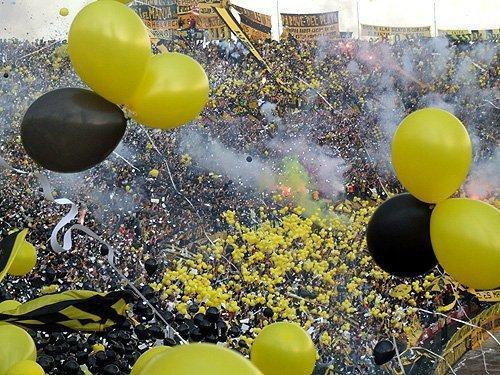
column 34, row 19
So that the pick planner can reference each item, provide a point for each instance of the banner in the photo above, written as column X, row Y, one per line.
column 160, row 16
column 76, row 310
column 471, row 35
column 225, row 15
column 394, row 33
column 202, row 11
column 256, row 25
column 469, row 338
column 486, row 295
column 310, row 27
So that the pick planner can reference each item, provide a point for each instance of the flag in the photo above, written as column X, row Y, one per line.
column 233, row 25
column 73, row 310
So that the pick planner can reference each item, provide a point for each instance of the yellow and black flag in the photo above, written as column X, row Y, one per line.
column 9, row 247
column 234, row 26
column 74, row 310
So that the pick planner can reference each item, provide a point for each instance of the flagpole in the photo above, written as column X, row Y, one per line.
column 359, row 24
column 278, row 15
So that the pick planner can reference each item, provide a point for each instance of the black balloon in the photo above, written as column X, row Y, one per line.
column 383, row 352
column 268, row 312
column 169, row 342
column 193, row 309
column 398, row 236
column 141, row 332
column 111, row 369
column 70, row 130
column 71, row 367
column 212, row 314
column 151, row 266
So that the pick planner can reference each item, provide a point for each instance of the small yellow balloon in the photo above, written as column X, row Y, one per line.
column 63, row 12
column 154, row 173
column 15, row 345
column 284, row 348
column 98, row 348
column 26, row 368
column 24, row 261
column 173, row 92
column 109, row 48
column 9, row 304
column 465, row 236
column 431, row 154
column 146, row 358
column 207, row 359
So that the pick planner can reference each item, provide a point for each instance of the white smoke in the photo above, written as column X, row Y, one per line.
column 325, row 170
column 484, row 178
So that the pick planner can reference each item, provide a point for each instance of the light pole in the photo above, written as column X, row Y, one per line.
column 435, row 22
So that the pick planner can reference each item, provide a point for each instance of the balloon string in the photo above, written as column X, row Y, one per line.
column 126, row 161
column 398, row 355
column 68, row 242
column 5, row 165
column 433, row 354
column 491, row 103
column 37, row 51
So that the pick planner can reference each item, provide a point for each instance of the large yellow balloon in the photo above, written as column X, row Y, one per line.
column 206, row 359
column 24, row 261
column 284, row 348
column 145, row 358
column 173, row 92
column 431, row 153
column 110, row 49
column 465, row 236
column 9, row 304
column 26, row 368
column 16, row 345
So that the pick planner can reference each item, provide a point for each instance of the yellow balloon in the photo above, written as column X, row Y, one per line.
column 9, row 304
column 145, row 358
column 207, row 359
column 431, row 153
column 24, row 261
column 26, row 368
column 173, row 92
column 465, row 236
column 154, row 173
column 109, row 48
column 15, row 345
column 284, row 348
column 63, row 12
column 98, row 348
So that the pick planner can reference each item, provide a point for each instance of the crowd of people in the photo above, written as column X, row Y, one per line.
column 233, row 258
